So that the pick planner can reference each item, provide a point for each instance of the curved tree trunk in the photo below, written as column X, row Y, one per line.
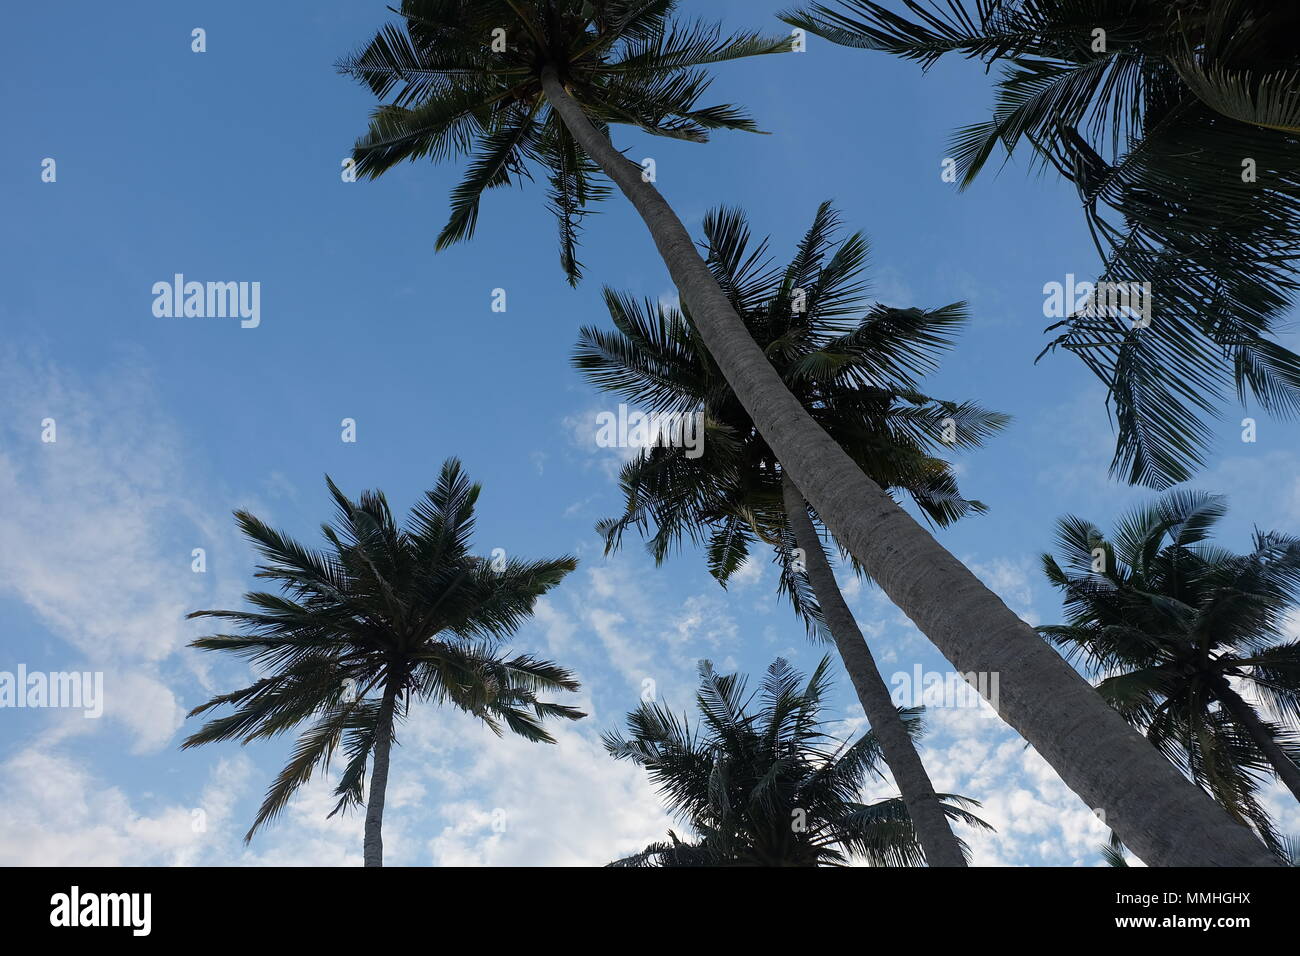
column 1162, row 816
column 1245, row 715
column 931, row 823
column 373, row 847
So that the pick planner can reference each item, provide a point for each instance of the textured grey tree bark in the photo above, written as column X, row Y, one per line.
column 373, row 845
column 1162, row 817
column 931, row 823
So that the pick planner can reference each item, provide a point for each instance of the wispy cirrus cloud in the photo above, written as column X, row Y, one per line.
column 99, row 527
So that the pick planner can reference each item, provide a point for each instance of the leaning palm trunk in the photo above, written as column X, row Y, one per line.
column 373, row 847
column 931, row 823
column 1245, row 715
column 1162, row 816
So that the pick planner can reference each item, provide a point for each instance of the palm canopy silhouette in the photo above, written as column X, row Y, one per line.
column 465, row 78
column 1177, row 629
column 855, row 368
column 386, row 616
column 767, row 786
column 1179, row 124
column 442, row 71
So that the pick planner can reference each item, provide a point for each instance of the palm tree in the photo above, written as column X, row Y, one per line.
column 519, row 83
column 1179, row 124
column 1287, row 851
column 857, row 376
column 1176, row 628
column 384, row 617
column 769, row 787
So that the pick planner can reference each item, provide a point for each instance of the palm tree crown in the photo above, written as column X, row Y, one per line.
column 854, row 368
column 465, row 79
column 384, row 617
column 1179, row 124
column 1176, row 627
column 768, row 787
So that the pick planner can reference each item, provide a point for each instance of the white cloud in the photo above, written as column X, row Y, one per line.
column 751, row 571
column 1039, row 820
column 569, row 804
column 55, row 813
column 98, row 529
column 583, row 428
column 1011, row 580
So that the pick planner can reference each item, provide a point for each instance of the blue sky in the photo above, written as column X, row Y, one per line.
column 225, row 166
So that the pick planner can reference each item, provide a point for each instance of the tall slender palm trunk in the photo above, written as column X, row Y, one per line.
column 373, row 846
column 1161, row 816
column 931, row 823
column 1245, row 715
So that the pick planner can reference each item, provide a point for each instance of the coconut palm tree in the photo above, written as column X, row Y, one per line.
column 1287, row 851
column 769, row 787
column 1177, row 629
column 856, row 370
column 1179, row 124
column 518, row 85
column 384, row 617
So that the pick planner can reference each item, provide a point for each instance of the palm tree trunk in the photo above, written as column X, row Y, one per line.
column 373, row 847
column 1245, row 715
column 931, row 823
column 1162, row 816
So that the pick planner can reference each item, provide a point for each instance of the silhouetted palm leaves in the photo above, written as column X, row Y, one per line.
column 1177, row 628
column 1177, row 122
column 854, row 366
column 766, row 786
column 384, row 617
column 463, row 80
